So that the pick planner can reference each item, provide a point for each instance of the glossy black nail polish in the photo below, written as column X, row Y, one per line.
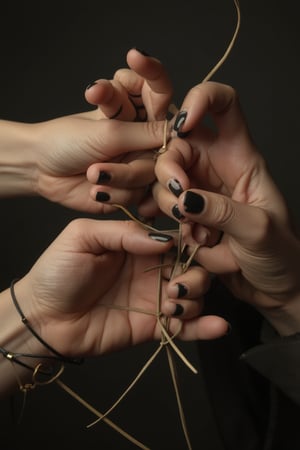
column 178, row 310
column 160, row 237
column 102, row 197
column 176, row 213
column 104, row 177
column 182, row 290
column 175, row 187
column 179, row 121
column 193, row 203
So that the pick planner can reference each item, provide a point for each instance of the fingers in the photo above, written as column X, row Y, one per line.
column 121, row 183
column 112, row 138
column 137, row 173
column 158, row 92
column 133, row 85
column 217, row 99
column 202, row 328
column 112, row 99
column 244, row 226
column 97, row 237
column 141, row 92
column 172, row 166
column 234, row 218
column 185, row 293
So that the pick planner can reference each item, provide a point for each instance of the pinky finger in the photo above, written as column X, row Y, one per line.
column 202, row 328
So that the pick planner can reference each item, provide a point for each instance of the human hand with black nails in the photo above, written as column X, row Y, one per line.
column 50, row 159
column 77, row 159
column 93, row 291
column 216, row 181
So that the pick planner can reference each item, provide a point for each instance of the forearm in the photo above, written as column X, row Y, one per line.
column 17, row 160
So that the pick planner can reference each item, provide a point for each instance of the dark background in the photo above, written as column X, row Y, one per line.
column 50, row 51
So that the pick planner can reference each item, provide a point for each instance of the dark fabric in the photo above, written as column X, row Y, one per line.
column 251, row 414
column 279, row 361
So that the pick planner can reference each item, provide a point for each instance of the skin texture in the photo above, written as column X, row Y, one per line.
column 258, row 256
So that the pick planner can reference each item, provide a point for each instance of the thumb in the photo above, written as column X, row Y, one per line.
column 246, row 223
column 109, row 138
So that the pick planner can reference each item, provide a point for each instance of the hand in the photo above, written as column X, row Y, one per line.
column 66, row 147
column 89, row 292
column 142, row 92
column 222, row 183
column 51, row 158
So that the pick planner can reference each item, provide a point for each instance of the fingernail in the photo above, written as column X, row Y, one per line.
column 104, row 177
column 193, row 203
column 90, row 85
column 178, row 310
column 102, row 197
column 175, row 187
column 182, row 290
column 179, row 121
column 176, row 213
column 141, row 51
column 159, row 237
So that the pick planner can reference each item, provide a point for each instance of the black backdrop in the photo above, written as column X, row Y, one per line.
column 50, row 51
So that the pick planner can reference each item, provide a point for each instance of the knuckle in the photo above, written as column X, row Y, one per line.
column 155, row 130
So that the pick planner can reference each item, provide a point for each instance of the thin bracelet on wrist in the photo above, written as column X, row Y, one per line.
column 25, row 321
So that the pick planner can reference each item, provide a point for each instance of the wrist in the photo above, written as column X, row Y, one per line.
column 16, row 339
column 17, row 159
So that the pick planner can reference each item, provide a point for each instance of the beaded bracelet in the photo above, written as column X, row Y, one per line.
column 25, row 321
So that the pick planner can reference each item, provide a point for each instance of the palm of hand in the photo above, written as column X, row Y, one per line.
column 116, row 302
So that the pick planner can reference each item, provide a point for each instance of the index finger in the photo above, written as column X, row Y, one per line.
column 172, row 165
column 220, row 101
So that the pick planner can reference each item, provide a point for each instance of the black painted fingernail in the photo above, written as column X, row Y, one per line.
column 176, row 213
column 90, row 85
column 160, row 237
column 179, row 121
column 141, row 51
column 175, row 187
column 178, row 310
column 182, row 290
column 102, row 197
column 193, row 203
column 104, row 177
